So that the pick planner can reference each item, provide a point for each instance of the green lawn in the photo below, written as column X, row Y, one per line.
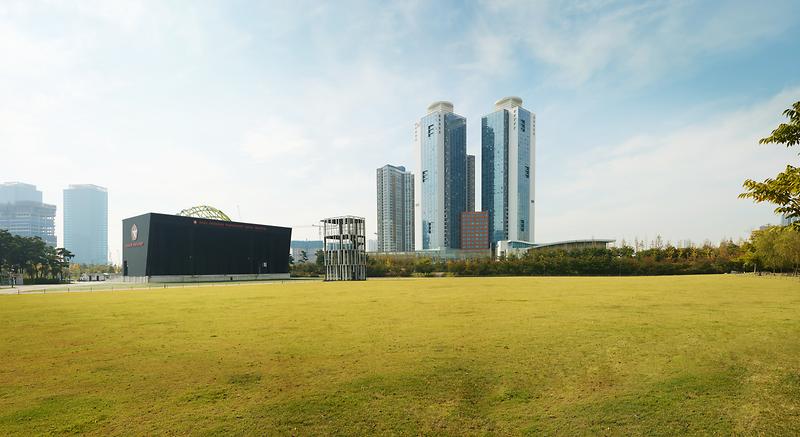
column 543, row 356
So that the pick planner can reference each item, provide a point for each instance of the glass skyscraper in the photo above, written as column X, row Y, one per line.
column 86, row 223
column 441, row 182
column 395, row 209
column 23, row 213
column 508, row 145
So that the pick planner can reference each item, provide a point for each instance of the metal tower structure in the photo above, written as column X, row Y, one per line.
column 344, row 245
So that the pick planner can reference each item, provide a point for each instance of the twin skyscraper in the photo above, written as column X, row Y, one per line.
column 443, row 186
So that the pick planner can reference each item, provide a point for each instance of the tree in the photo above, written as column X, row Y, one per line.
column 64, row 256
column 320, row 261
column 784, row 189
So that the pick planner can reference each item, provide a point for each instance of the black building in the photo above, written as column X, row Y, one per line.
column 180, row 248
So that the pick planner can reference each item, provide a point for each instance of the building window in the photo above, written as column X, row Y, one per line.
column 424, row 175
column 522, row 124
column 522, row 225
column 430, row 130
column 527, row 172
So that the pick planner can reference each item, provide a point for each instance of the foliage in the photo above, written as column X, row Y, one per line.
column 777, row 248
column 37, row 261
column 788, row 134
column 773, row 249
column 778, row 253
column 784, row 189
column 76, row 270
column 307, row 269
column 666, row 260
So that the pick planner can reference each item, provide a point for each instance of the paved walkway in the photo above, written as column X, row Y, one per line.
column 119, row 286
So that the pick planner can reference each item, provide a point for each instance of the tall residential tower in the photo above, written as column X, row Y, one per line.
column 395, row 209
column 86, row 223
column 508, row 146
column 441, row 181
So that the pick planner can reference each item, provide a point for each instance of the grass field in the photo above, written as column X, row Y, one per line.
column 544, row 356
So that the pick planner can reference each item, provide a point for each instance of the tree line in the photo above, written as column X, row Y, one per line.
column 33, row 258
column 772, row 249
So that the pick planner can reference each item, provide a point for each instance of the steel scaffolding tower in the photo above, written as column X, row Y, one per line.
column 344, row 243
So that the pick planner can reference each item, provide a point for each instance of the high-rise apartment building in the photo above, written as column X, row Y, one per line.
column 508, row 146
column 23, row 213
column 441, row 181
column 395, row 209
column 86, row 223
column 470, row 183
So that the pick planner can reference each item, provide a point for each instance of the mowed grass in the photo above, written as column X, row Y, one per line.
column 666, row 356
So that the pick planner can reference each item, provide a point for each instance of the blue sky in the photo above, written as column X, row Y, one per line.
column 648, row 113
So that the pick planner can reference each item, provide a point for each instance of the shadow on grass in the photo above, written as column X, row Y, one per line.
column 690, row 404
column 57, row 415
column 447, row 400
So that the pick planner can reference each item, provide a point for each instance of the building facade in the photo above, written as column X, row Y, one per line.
column 519, row 248
column 470, row 182
column 508, row 146
column 395, row 209
column 786, row 220
column 173, row 248
column 86, row 223
column 474, row 230
column 23, row 213
column 441, row 182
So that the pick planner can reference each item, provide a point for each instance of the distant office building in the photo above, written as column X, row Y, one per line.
column 441, row 183
column 395, row 209
column 297, row 247
column 23, row 213
column 786, row 221
column 508, row 146
column 372, row 245
column 86, row 223
column 13, row 192
column 470, row 182
column 474, row 230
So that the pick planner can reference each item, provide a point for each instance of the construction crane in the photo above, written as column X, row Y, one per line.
column 319, row 229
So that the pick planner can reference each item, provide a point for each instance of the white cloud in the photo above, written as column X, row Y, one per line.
column 640, row 41
column 682, row 184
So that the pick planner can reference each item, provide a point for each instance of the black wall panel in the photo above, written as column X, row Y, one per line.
column 178, row 245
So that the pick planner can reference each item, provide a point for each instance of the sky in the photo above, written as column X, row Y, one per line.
column 648, row 113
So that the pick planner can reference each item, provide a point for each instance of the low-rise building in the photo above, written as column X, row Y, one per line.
column 519, row 248
column 474, row 230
